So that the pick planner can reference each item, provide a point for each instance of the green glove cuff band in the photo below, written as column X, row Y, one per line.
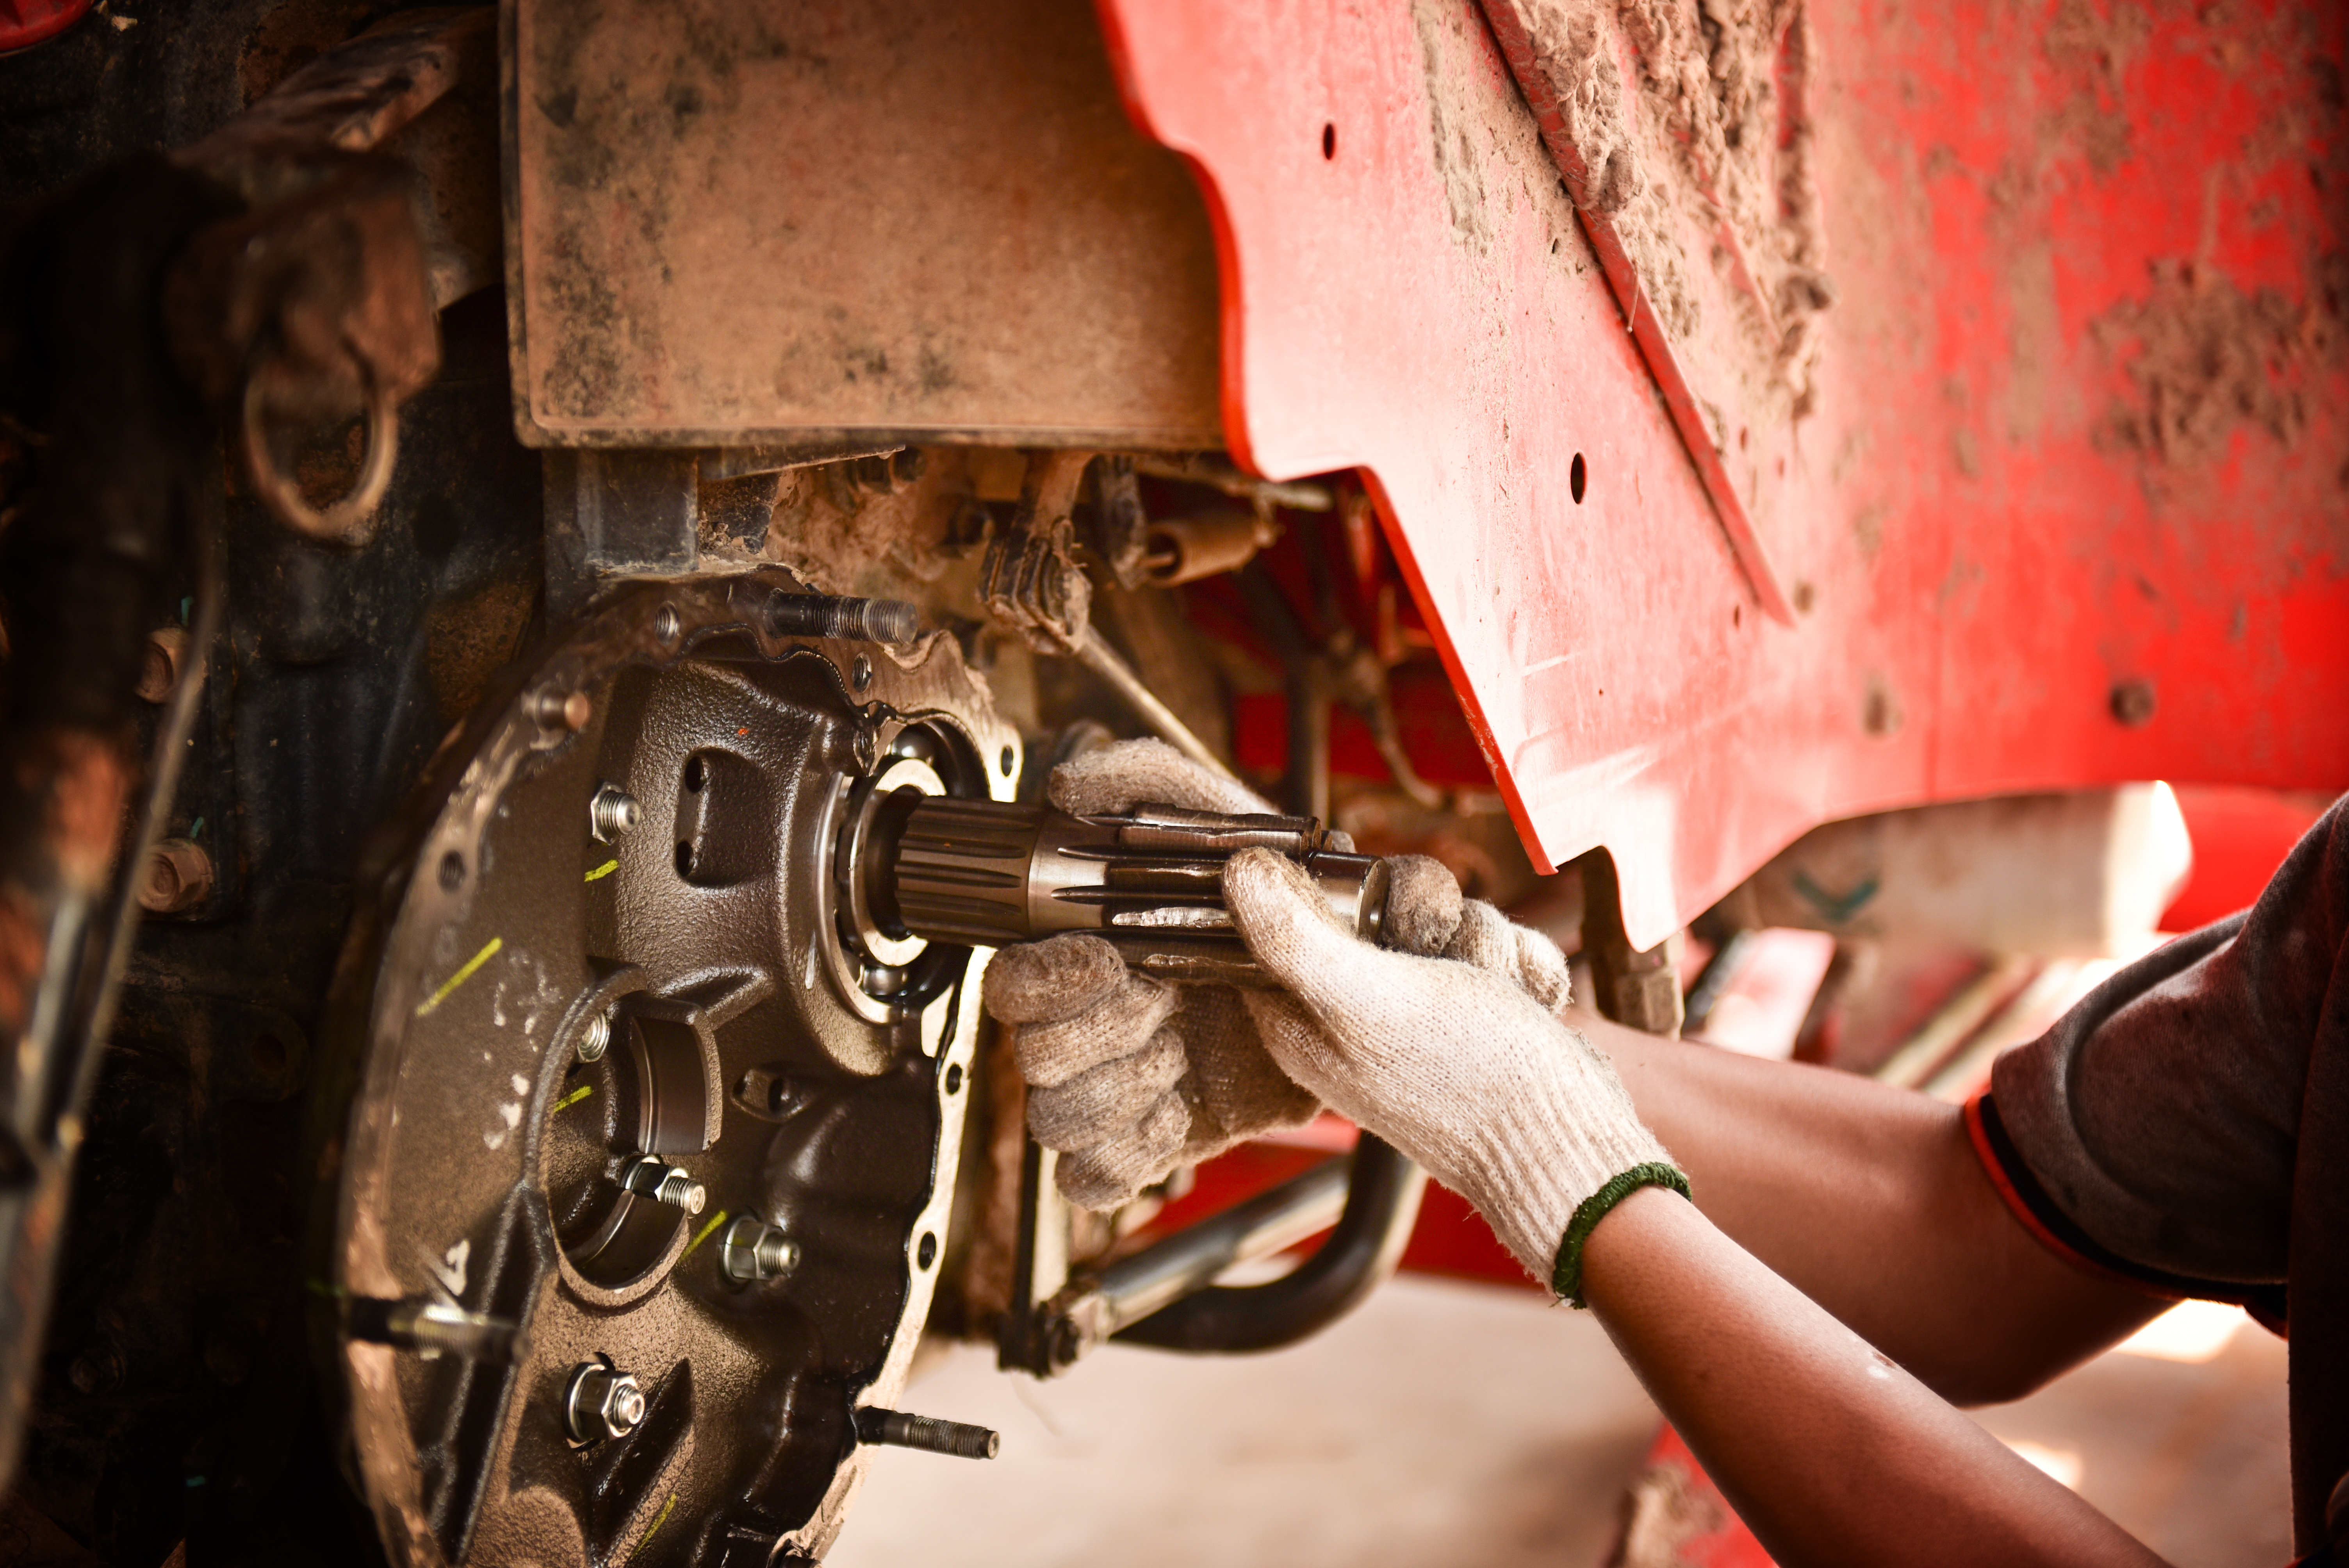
column 1566, row 1277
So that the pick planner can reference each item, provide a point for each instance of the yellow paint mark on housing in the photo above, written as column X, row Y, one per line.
column 449, row 985
column 606, row 869
column 659, row 1519
column 716, row 1220
column 574, row 1097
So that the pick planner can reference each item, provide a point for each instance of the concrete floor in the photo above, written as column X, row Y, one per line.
column 1473, row 1426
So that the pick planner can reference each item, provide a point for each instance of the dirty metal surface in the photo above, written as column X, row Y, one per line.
column 729, row 225
column 484, row 1162
column 2065, row 506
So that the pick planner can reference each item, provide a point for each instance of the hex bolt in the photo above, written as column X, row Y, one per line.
column 602, row 1402
column 612, row 811
column 597, row 1038
column 663, row 1182
column 896, row 1427
column 159, row 667
column 753, row 1250
column 555, row 708
column 178, row 877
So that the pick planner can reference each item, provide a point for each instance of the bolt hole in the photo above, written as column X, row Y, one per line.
column 452, row 871
column 666, row 625
column 684, row 858
column 859, row 674
column 928, row 1253
column 1329, row 141
column 954, row 1078
column 1003, row 763
column 1577, row 478
column 697, row 774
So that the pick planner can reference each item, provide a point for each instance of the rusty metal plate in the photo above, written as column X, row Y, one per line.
column 730, row 224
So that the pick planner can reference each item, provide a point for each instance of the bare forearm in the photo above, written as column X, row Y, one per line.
column 1870, row 1200
column 1830, row 1451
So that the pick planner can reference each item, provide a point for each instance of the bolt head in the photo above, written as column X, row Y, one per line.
column 178, row 877
column 158, row 669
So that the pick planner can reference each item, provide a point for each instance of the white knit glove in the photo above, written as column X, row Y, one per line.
column 1128, row 1076
column 1459, row 1068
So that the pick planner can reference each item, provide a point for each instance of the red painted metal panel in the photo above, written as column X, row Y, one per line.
column 2081, row 426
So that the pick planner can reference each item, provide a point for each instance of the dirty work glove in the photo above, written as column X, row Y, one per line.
column 1130, row 1077
column 1460, row 1069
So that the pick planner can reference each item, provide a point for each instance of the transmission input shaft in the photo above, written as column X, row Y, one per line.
column 988, row 873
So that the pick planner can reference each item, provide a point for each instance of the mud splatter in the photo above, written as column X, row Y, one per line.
column 1455, row 155
column 1714, row 140
column 2205, row 359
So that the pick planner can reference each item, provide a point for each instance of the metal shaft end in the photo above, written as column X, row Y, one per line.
column 900, row 1430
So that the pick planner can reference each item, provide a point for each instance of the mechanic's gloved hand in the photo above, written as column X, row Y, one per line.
column 1462, row 1070
column 1130, row 1077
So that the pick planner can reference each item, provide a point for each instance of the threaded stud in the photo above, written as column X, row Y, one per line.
column 657, row 1179
column 854, row 620
column 612, row 811
column 754, row 1251
column 900, row 1430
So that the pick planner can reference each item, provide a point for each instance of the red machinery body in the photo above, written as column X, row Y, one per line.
column 2068, row 505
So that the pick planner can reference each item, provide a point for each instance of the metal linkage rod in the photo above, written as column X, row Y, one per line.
column 1095, row 653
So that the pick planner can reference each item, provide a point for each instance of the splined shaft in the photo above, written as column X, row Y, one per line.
column 988, row 873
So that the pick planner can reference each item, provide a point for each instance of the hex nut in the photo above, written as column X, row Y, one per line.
column 602, row 1402
column 178, row 878
column 752, row 1250
column 158, row 669
column 596, row 1039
